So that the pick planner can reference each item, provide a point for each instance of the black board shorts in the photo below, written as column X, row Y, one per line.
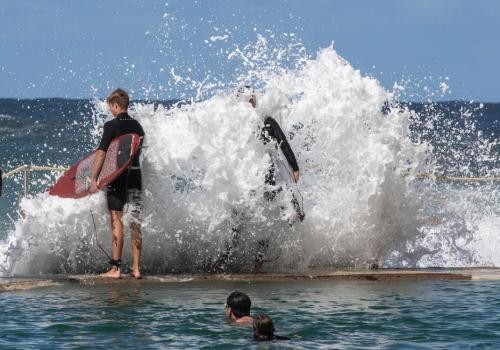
column 127, row 188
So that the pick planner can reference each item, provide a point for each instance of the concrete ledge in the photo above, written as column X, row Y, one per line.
column 13, row 284
column 315, row 275
column 438, row 274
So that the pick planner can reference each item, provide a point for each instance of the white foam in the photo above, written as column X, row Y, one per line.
column 204, row 170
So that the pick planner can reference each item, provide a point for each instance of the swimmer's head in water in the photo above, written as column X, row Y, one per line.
column 263, row 327
column 247, row 94
column 239, row 304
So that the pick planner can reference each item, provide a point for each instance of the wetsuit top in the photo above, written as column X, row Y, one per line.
column 272, row 132
column 259, row 337
column 120, row 125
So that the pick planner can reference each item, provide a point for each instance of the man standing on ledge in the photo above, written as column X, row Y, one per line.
column 126, row 188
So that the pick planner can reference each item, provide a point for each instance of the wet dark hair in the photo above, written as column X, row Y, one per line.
column 263, row 327
column 239, row 303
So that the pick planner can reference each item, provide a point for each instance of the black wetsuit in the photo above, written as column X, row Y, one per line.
column 259, row 337
column 130, row 180
column 271, row 132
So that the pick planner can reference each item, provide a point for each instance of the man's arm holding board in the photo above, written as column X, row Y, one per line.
column 107, row 136
column 96, row 170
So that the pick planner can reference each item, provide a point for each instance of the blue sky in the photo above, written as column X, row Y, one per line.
column 70, row 48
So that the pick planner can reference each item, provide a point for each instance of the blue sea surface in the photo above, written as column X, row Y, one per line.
column 315, row 315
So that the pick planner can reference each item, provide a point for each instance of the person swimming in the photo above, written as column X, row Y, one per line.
column 263, row 329
column 238, row 306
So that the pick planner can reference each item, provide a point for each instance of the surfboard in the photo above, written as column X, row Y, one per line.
column 75, row 182
column 284, row 175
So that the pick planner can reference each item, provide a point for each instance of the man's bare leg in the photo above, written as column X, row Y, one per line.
column 117, row 242
column 136, row 249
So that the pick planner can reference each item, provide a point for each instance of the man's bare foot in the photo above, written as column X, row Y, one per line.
column 136, row 274
column 113, row 273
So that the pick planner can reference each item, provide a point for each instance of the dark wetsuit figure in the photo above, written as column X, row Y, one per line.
column 130, row 180
column 271, row 132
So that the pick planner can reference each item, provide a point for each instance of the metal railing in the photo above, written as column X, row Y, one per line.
column 26, row 169
column 460, row 178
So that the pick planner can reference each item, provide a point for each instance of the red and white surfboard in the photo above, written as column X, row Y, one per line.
column 75, row 182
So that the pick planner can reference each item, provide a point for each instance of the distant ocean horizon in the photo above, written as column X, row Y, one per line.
column 15, row 113
column 90, row 98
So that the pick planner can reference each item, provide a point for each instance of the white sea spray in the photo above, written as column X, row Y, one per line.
column 204, row 168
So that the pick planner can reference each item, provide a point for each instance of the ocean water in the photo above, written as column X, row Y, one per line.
column 315, row 315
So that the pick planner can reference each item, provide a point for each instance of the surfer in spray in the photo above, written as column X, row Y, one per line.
column 126, row 188
column 270, row 134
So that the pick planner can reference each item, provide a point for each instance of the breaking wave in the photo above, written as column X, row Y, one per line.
column 204, row 171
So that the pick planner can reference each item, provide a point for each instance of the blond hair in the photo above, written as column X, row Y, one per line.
column 120, row 97
column 263, row 327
